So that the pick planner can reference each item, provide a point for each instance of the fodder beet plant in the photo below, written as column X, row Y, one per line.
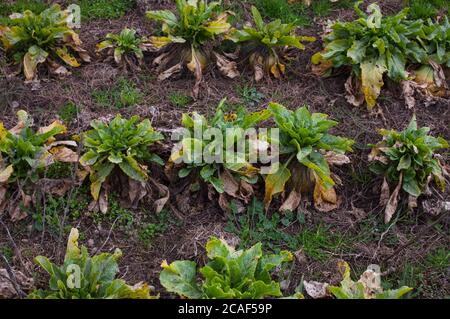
column 84, row 277
column 408, row 159
column 369, row 286
column 216, row 160
column 25, row 153
column 126, row 47
column 188, row 39
column 375, row 45
column 120, row 150
column 239, row 274
column 307, row 150
column 266, row 46
column 45, row 38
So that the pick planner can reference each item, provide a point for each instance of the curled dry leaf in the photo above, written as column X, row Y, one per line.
column 385, row 193
column 164, row 192
column 240, row 190
column 315, row 289
column 371, row 280
column 2, row 197
column 392, row 204
column 136, row 191
column 103, row 201
column 408, row 93
column 325, row 200
column 354, row 95
column 227, row 67
column 412, row 202
column 57, row 187
column 7, row 289
column 176, row 69
column 292, row 202
column 19, row 212
column 336, row 159
column 64, row 154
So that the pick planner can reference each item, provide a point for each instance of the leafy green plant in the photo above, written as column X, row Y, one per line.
column 367, row 287
column 372, row 46
column 408, row 159
column 122, row 144
column 84, row 277
column 214, row 160
column 265, row 45
column 25, row 153
column 124, row 47
column 304, row 138
column 33, row 39
column 187, row 39
column 241, row 274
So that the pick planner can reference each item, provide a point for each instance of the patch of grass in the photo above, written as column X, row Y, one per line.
column 179, row 99
column 152, row 230
column 424, row 9
column 105, row 9
column 319, row 241
column 255, row 226
column 321, row 8
column 411, row 276
column 59, row 170
column 51, row 216
column 280, row 9
column 123, row 217
column 439, row 259
column 123, row 94
column 37, row 6
column 6, row 251
column 68, row 112
column 250, row 95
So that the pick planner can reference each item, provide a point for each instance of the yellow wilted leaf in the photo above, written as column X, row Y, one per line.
column 67, row 57
column 6, row 174
column 3, row 131
column 372, row 80
column 275, row 184
column 72, row 251
column 325, row 200
column 160, row 42
column 220, row 25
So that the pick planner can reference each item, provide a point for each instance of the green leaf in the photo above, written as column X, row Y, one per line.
column 179, row 277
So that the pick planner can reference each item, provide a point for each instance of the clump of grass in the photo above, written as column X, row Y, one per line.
column 152, row 230
column 321, row 8
column 123, row 94
column 68, row 112
column 37, row 6
column 250, row 95
column 424, row 9
column 295, row 13
column 439, row 259
column 319, row 241
column 105, row 9
column 179, row 99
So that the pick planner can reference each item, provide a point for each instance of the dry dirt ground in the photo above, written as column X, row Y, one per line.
column 405, row 250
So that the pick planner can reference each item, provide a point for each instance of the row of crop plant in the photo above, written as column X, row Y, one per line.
column 410, row 52
column 116, row 156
